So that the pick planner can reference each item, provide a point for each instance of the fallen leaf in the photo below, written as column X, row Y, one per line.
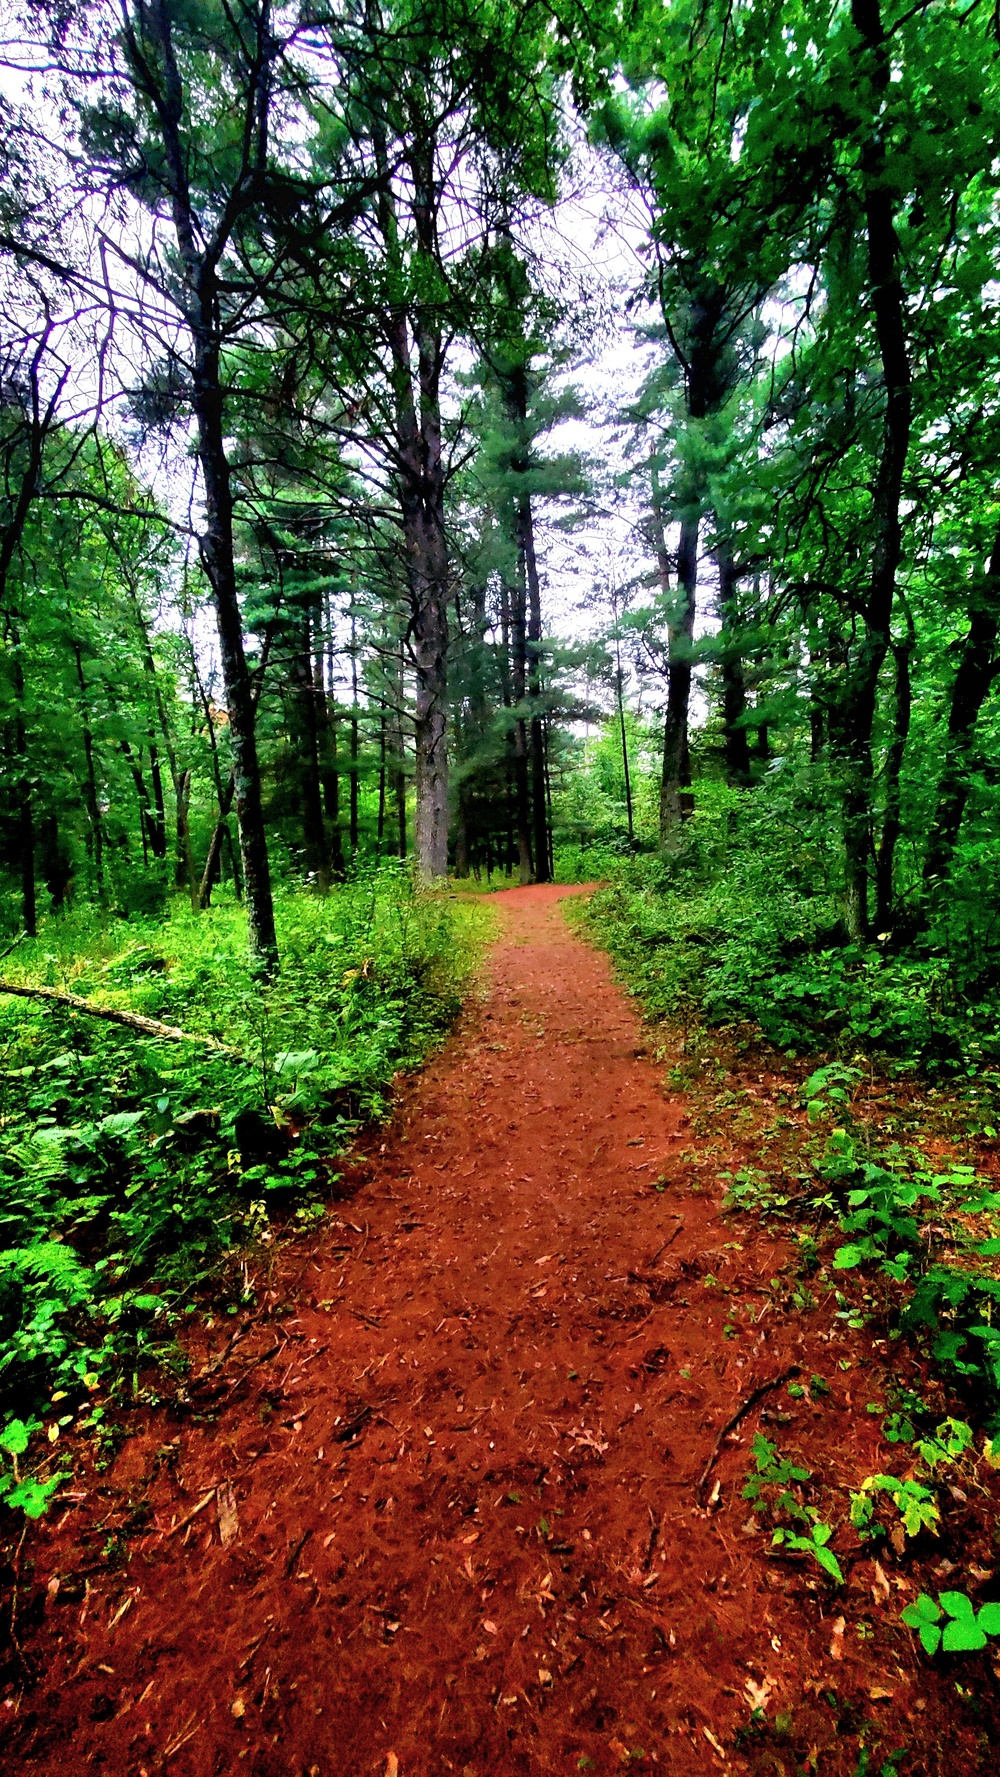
column 757, row 1694
column 238, row 1708
column 229, row 1522
column 879, row 1691
column 713, row 1742
column 391, row 1765
column 881, row 1589
column 544, row 1675
column 490, row 1628
column 837, row 1640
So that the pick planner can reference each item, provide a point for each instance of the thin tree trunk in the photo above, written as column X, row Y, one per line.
column 421, row 486
column 353, row 785
column 676, row 774
column 141, row 797
column 978, row 667
column 620, row 686
column 855, row 716
column 539, row 821
column 891, row 820
column 734, row 695
column 184, row 875
column 91, row 792
column 380, row 826
column 199, row 260
column 519, row 692
column 26, row 813
column 316, row 854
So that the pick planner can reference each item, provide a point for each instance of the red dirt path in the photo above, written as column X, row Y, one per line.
column 455, row 1526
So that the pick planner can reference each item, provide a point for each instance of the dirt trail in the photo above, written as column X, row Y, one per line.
column 456, row 1524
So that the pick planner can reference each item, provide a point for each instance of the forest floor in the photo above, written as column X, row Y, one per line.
column 437, row 1506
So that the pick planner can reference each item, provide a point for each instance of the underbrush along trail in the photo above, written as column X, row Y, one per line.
column 463, row 1497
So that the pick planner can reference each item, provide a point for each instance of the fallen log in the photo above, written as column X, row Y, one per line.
column 149, row 1027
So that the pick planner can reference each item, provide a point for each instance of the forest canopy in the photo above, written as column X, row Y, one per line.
column 480, row 434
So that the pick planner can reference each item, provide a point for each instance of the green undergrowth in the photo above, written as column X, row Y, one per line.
column 745, row 970
column 742, row 925
column 134, row 1170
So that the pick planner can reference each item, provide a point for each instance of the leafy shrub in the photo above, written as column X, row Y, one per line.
column 131, row 1167
column 743, row 925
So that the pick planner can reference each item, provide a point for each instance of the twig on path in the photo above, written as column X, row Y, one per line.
column 368, row 1321
column 188, row 1731
column 668, row 1242
column 294, row 1553
column 245, row 1662
column 741, row 1412
column 200, row 1507
column 654, row 1537
column 19, row 1654
column 264, row 1358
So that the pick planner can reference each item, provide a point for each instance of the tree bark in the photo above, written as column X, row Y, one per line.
column 199, row 259
column 734, row 695
column 90, row 782
column 978, row 667
column 891, row 819
column 316, row 853
column 541, row 842
column 26, row 813
column 420, row 477
column 150, row 1027
column 676, row 774
column 353, row 781
column 854, row 717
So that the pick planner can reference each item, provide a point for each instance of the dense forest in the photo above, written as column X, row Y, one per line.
column 297, row 309
column 456, row 444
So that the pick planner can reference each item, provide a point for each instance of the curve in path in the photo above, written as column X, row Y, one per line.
column 454, row 1525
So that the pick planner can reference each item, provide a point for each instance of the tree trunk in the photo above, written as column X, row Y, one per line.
column 978, row 667
column 26, row 813
column 676, row 775
column 517, row 629
column 184, row 863
column 216, row 545
column 891, row 819
column 380, row 826
column 353, row 783
column 851, row 734
column 734, row 696
column 199, row 257
column 539, row 820
column 316, row 854
column 90, row 784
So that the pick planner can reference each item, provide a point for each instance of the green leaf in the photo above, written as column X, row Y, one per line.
column 32, row 1497
column 930, row 1637
column 922, row 1610
column 14, row 1438
column 989, row 1619
column 958, row 1606
column 963, row 1637
column 846, row 1257
column 828, row 1561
